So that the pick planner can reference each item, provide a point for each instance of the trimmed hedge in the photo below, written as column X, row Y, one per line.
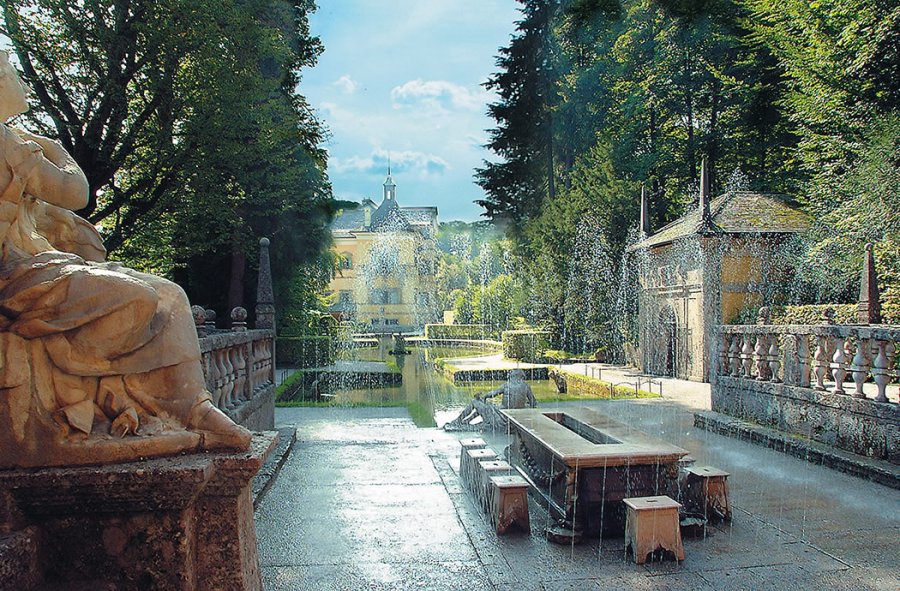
column 812, row 314
column 457, row 331
column 309, row 351
column 526, row 345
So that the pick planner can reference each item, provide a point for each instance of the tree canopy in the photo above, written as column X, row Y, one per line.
column 597, row 97
column 185, row 116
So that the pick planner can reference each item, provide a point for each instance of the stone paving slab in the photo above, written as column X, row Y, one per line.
column 368, row 501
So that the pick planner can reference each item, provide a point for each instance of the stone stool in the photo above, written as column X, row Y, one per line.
column 652, row 523
column 468, row 462
column 485, row 470
column 509, row 503
column 473, row 443
column 707, row 491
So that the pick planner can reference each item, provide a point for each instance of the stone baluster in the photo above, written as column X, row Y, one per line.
column 747, row 356
column 805, row 368
column 760, row 354
column 881, row 371
column 239, row 362
column 735, row 354
column 222, row 379
column 821, row 362
column 839, row 364
column 774, row 357
column 257, row 364
column 859, row 367
column 724, row 363
column 212, row 378
column 229, row 377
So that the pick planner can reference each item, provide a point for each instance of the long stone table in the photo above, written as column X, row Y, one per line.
column 582, row 464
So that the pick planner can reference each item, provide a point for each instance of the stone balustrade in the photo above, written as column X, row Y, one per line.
column 239, row 366
column 843, row 356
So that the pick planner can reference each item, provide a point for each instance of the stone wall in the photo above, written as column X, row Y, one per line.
column 858, row 425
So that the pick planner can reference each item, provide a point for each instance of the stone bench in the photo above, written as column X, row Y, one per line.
column 651, row 523
column 509, row 503
column 468, row 465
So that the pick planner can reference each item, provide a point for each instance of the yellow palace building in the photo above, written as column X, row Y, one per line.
column 386, row 276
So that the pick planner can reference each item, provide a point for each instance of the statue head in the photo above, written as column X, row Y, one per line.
column 516, row 375
column 13, row 92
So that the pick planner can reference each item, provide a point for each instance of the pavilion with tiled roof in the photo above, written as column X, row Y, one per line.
column 704, row 269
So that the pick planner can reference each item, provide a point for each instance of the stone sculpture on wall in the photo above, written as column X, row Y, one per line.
column 98, row 362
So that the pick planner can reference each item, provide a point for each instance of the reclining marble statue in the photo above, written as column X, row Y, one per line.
column 516, row 394
column 98, row 362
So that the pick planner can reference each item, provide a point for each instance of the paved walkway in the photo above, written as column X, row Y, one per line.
column 368, row 501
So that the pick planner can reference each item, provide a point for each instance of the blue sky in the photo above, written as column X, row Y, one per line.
column 403, row 77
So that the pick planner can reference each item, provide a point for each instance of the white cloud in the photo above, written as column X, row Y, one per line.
column 438, row 94
column 346, row 84
column 407, row 161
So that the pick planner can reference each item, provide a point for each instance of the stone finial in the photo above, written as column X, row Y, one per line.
column 265, row 298
column 764, row 316
column 704, row 189
column 645, row 212
column 239, row 319
column 199, row 315
column 869, row 299
column 828, row 316
column 210, row 319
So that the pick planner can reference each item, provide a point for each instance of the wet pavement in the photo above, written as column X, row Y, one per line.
column 366, row 500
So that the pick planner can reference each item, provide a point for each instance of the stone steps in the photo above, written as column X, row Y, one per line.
column 19, row 560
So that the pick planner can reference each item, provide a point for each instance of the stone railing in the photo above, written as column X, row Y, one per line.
column 844, row 356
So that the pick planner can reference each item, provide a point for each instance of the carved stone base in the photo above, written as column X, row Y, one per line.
column 180, row 523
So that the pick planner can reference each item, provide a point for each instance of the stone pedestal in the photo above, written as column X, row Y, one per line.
column 182, row 523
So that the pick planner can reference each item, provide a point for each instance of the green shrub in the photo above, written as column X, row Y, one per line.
column 526, row 345
column 308, row 351
column 812, row 314
column 292, row 388
column 457, row 331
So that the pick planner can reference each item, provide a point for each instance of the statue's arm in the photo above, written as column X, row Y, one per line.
column 494, row 392
column 55, row 176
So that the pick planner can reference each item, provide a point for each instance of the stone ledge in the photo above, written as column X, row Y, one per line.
column 263, row 480
column 222, row 340
column 879, row 471
column 866, row 407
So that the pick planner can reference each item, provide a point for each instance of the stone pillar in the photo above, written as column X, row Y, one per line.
column 181, row 523
column 869, row 298
column 704, row 190
column 645, row 212
column 265, row 298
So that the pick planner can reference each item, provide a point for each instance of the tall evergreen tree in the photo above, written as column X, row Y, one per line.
column 517, row 185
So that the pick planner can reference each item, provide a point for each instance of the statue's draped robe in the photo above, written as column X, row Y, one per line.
column 113, row 335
